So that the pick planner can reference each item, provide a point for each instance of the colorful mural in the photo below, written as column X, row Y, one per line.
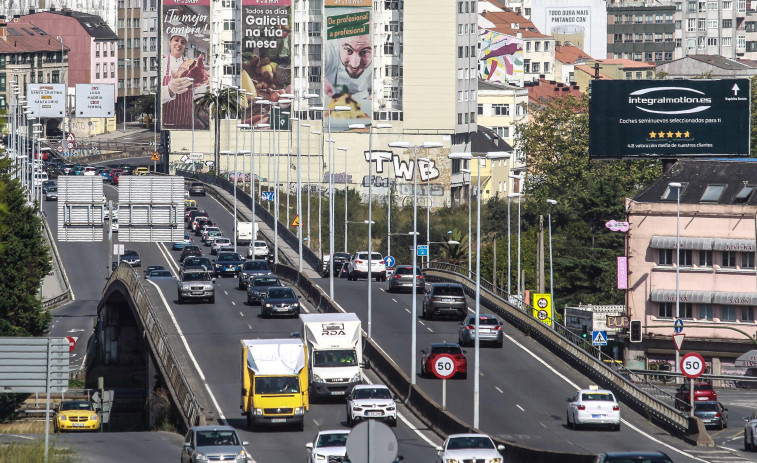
column 501, row 57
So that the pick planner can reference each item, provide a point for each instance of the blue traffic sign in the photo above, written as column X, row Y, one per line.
column 268, row 195
column 422, row 250
column 389, row 261
column 678, row 325
column 598, row 338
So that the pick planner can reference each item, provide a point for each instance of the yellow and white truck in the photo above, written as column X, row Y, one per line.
column 275, row 382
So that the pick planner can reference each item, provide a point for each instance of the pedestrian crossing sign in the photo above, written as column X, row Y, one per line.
column 155, row 157
column 296, row 221
column 598, row 338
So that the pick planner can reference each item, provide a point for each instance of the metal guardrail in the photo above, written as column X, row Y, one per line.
column 179, row 387
column 58, row 263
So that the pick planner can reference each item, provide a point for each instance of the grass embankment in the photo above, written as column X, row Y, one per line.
column 30, row 451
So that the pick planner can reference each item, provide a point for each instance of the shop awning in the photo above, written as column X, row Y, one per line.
column 669, row 295
column 726, row 298
column 733, row 245
column 669, row 242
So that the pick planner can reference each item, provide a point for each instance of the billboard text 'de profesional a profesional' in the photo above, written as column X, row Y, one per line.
column 669, row 118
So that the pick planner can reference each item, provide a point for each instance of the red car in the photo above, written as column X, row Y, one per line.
column 702, row 392
column 429, row 355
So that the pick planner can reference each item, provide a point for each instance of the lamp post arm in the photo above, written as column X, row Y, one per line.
column 754, row 340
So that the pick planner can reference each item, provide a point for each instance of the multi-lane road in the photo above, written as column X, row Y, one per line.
column 523, row 386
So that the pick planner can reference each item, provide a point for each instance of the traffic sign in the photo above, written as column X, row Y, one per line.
column 542, row 308
column 678, row 325
column 71, row 343
column 296, row 221
column 444, row 366
column 70, row 145
column 692, row 365
column 70, row 137
column 678, row 340
column 268, row 195
column 422, row 250
column 155, row 156
column 598, row 338
column 59, row 148
column 389, row 261
column 196, row 156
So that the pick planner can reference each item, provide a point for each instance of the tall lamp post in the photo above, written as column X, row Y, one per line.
column 678, row 186
column 510, row 196
column 341, row 148
column 414, row 338
column 550, row 203
column 65, row 95
column 520, row 193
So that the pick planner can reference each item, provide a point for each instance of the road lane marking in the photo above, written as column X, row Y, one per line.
column 240, row 313
column 395, row 301
column 521, row 408
column 500, row 391
column 421, row 322
column 249, row 326
column 225, row 292
column 429, row 329
column 407, row 310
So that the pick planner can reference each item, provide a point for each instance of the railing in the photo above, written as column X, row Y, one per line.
column 185, row 399
column 58, row 264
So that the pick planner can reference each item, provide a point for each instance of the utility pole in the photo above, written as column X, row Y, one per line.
column 494, row 265
column 540, row 256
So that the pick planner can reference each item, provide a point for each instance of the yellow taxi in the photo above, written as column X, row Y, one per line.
column 76, row 415
column 190, row 203
column 142, row 171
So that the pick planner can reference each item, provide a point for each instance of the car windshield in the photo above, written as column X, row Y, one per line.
column 52, row 189
column 256, row 265
column 705, row 407
column 342, row 256
column 266, row 282
column 196, row 276
column 260, row 244
column 448, row 349
column 76, row 405
column 597, row 396
column 483, row 321
column 220, row 241
column 406, row 271
column 229, row 257
column 372, row 393
column 448, row 291
column 160, row 273
column 216, row 438
column 281, row 293
column 470, row 442
column 212, row 229
column 334, row 358
column 191, row 247
column 130, row 253
column 277, row 385
column 199, row 261
column 332, row 440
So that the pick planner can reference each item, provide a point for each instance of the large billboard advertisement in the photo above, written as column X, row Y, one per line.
column 669, row 118
column 46, row 100
column 184, row 67
column 501, row 57
column 582, row 23
column 348, row 62
column 95, row 100
column 266, row 54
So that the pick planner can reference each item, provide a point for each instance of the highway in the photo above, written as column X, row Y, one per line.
column 523, row 386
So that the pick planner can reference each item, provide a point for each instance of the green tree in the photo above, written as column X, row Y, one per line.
column 220, row 104
column 145, row 104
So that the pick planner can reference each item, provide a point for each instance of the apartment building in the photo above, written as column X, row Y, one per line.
column 138, row 30
column 107, row 10
column 644, row 32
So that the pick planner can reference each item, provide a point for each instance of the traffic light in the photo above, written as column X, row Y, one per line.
column 635, row 330
column 584, row 331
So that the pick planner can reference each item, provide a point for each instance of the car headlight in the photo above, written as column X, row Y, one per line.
column 62, row 417
column 496, row 460
column 317, row 379
column 356, row 378
column 93, row 417
column 259, row 411
column 357, row 409
column 242, row 455
column 391, row 408
column 201, row 457
column 295, row 304
column 268, row 304
column 451, row 460
column 318, row 456
column 299, row 411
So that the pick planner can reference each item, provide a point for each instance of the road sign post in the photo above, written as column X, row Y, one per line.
column 422, row 250
column 692, row 367
column 389, row 262
column 444, row 368
column 598, row 338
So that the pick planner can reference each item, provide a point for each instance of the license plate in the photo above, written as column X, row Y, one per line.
column 230, row 269
column 278, row 420
column 78, row 425
column 282, row 309
column 196, row 293
column 373, row 413
column 337, row 392
column 485, row 330
column 446, row 299
column 598, row 416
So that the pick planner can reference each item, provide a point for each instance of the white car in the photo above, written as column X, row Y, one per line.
column 219, row 242
column 327, row 444
column 358, row 266
column 257, row 250
column 593, row 406
column 374, row 401
column 209, row 230
column 469, row 447
column 750, row 433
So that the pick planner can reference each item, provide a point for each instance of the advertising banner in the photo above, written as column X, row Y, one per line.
column 95, row 100
column 581, row 23
column 669, row 118
column 184, row 63
column 347, row 62
column 622, row 265
column 502, row 57
column 266, row 54
column 46, row 100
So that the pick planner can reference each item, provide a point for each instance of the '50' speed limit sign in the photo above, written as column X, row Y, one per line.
column 692, row 365
column 444, row 366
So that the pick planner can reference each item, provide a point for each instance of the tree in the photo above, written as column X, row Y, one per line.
column 145, row 104
column 219, row 104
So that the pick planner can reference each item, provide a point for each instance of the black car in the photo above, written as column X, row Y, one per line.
column 228, row 263
column 251, row 269
column 125, row 168
column 445, row 299
column 190, row 250
column 198, row 262
column 336, row 264
column 634, row 457
column 197, row 189
column 258, row 286
column 280, row 300
column 131, row 257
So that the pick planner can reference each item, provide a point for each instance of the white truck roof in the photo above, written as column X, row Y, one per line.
column 331, row 330
column 275, row 356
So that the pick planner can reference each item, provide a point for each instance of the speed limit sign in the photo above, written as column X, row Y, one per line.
column 692, row 365
column 444, row 366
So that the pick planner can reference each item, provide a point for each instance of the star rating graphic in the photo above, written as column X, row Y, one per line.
column 670, row 134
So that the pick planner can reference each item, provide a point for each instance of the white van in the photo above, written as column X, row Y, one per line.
column 40, row 178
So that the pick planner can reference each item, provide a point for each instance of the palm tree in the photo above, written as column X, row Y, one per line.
column 220, row 103
column 457, row 253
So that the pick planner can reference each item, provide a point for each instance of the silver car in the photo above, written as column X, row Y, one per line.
column 490, row 327
column 402, row 279
column 196, row 284
column 213, row 443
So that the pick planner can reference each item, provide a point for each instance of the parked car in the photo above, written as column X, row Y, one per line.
column 190, row 250
column 196, row 284
column 402, row 279
column 251, row 269
column 703, row 392
column 328, row 446
column 228, row 263
column 490, row 330
column 280, row 300
column 593, row 406
column 634, row 457
column 257, row 249
column 359, row 266
column 712, row 413
column 472, row 447
column 51, row 194
column 434, row 350
column 131, row 257
column 76, row 415
column 371, row 401
column 179, row 245
column 197, row 189
column 257, row 287
column 213, row 443
column 336, row 265
column 444, row 299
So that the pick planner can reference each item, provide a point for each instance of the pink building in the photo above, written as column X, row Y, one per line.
column 717, row 284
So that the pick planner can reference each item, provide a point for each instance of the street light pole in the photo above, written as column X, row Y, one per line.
column 551, row 202
column 345, row 198
column 65, row 95
column 510, row 196
column 520, row 195
column 678, row 186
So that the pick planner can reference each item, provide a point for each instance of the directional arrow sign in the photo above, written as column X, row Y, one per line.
column 678, row 340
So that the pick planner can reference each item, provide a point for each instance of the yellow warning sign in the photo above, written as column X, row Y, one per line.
column 155, row 156
column 296, row 221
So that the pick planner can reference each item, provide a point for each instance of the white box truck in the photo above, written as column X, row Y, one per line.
column 245, row 233
column 334, row 342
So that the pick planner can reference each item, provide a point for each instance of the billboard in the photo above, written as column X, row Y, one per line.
column 501, row 57
column 582, row 23
column 46, row 100
column 266, row 53
column 669, row 118
column 348, row 62
column 95, row 100
column 184, row 66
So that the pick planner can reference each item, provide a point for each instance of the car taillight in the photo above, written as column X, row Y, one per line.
column 582, row 407
column 460, row 357
column 498, row 328
column 470, row 327
column 358, row 261
column 397, row 277
column 420, row 276
column 615, row 408
column 717, row 415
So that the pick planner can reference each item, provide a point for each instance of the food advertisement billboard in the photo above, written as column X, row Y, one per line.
column 266, row 55
column 185, row 75
column 347, row 62
column 669, row 118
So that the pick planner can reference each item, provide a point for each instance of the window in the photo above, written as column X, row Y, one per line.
column 727, row 5
column 728, row 313
column 712, row 193
column 658, row 37
column 701, row 23
column 617, row 38
column 726, row 41
column 747, row 314
column 389, row 48
column 480, row 110
column 459, row 52
column 314, row 74
column 727, row 23
column 113, row 70
column 691, row 42
column 691, row 7
column 314, row 51
column 97, row 71
column 685, row 310
column 743, row 195
column 712, row 5
column 728, row 259
column 459, row 118
column 668, row 36
column 705, row 312
column 665, row 310
column 503, row 132
column 97, row 50
column 546, row 67
column 546, row 46
column 671, row 193
column 669, row 54
column 229, row 25
column 648, row 37
column 528, row 46
column 687, row 259
column 747, row 260
column 459, row 96
column 740, row 41
column 526, row 66
column 228, row 46
column 705, row 258
column 501, row 109
column 535, row 67
column 537, row 46
column 658, row 56
column 314, row 29
column 638, row 38
column 665, row 257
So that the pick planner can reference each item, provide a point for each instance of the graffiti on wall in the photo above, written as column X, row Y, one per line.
column 402, row 169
